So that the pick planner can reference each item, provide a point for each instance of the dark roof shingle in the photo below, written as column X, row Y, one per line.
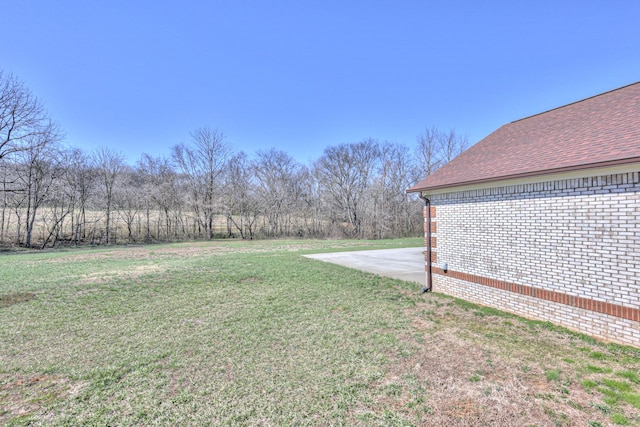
column 598, row 131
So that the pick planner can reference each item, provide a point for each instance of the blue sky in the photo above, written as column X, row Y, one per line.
column 139, row 76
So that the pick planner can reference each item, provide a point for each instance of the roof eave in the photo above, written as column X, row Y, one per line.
column 597, row 165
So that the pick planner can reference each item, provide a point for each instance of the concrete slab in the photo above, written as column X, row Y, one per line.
column 404, row 264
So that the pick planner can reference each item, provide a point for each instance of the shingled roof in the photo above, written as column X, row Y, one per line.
column 600, row 131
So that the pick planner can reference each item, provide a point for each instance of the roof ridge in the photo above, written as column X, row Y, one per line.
column 576, row 102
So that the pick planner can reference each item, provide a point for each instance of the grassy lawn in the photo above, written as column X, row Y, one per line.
column 253, row 333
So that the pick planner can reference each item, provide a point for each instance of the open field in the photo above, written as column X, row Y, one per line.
column 95, row 224
column 253, row 333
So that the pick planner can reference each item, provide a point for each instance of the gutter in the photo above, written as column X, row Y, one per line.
column 427, row 204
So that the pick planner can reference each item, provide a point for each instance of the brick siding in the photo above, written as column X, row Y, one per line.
column 566, row 251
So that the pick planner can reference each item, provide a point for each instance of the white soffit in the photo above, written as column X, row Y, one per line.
column 583, row 173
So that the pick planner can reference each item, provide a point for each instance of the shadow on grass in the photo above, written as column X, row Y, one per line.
column 15, row 298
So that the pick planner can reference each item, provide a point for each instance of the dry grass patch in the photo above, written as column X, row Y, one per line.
column 473, row 366
column 15, row 298
column 23, row 396
column 110, row 275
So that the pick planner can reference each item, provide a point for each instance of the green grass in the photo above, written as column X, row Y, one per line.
column 253, row 333
column 589, row 384
column 619, row 419
column 598, row 369
column 228, row 333
column 552, row 375
column 630, row 375
column 475, row 377
column 616, row 385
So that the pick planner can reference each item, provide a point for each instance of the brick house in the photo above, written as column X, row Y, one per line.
column 542, row 218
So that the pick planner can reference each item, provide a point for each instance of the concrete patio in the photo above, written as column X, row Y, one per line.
column 404, row 264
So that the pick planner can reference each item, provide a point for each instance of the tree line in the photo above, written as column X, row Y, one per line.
column 52, row 194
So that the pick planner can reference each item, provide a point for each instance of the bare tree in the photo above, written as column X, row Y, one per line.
column 279, row 188
column 354, row 190
column 24, row 127
column 203, row 162
column 81, row 180
column 454, row 144
column 396, row 212
column 161, row 190
column 23, row 120
column 436, row 148
column 345, row 173
column 311, row 209
column 108, row 166
column 60, row 202
column 242, row 206
column 40, row 168
column 129, row 201
column 429, row 150
column 7, row 176
column 13, row 198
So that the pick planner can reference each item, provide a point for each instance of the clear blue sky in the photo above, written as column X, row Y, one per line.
column 299, row 75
